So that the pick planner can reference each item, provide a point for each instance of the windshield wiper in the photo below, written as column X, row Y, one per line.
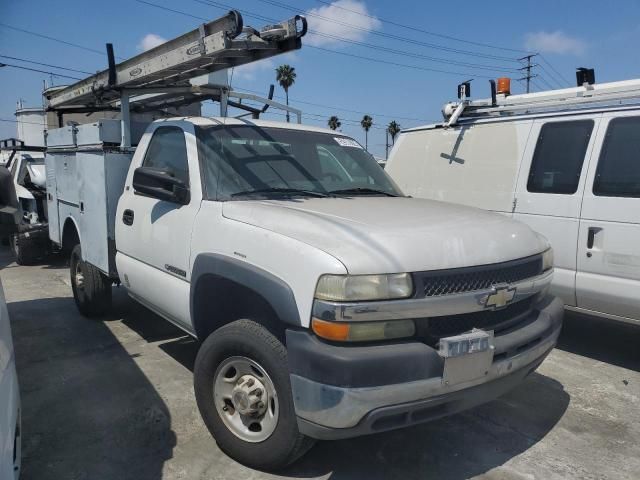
column 294, row 191
column 362, row 190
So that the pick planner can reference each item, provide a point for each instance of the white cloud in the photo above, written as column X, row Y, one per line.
column 333, row 19
column 150, row 41
column 249, row 71
column 554, row 42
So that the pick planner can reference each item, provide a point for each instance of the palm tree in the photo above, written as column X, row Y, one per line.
column 366, row 122
column 286, row 76
column 334, row 123
column 393, row 129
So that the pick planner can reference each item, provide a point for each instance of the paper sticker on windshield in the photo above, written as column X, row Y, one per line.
column 347, row 142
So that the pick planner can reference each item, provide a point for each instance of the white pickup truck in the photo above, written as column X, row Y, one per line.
column 328, row 304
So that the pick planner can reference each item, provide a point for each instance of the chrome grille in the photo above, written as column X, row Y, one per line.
column 468, row 279
column 498, row 321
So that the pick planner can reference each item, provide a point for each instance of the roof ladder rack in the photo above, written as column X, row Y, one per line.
column 548, row 101
column 162, row 77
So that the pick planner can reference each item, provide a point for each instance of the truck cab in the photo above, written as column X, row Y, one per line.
column 328, row 303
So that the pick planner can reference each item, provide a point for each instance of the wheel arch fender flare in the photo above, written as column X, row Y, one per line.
column 276, row 293
column 68, row 222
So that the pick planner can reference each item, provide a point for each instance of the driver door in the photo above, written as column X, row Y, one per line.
column 154, row 236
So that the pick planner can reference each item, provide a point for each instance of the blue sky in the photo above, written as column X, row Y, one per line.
column 567, row 33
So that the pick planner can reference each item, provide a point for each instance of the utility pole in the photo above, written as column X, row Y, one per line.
column 386, row 145
column 528, row 68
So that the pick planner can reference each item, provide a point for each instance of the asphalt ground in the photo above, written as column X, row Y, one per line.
column 113, row 399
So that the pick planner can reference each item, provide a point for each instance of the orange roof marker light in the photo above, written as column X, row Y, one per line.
column 504, row 86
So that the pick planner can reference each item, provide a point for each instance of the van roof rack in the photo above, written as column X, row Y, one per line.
column 603, row 94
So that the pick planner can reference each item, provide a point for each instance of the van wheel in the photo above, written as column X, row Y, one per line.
column 91, row 288
column 242, row 388
column 25, row 250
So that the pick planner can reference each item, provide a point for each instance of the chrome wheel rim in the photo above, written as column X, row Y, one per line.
column 245, row 399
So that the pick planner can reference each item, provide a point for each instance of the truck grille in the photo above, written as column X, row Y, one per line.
column 469, row 279
column 499, row 321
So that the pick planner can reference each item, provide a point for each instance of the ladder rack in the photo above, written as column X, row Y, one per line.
column 596, row 95
column 166, row 70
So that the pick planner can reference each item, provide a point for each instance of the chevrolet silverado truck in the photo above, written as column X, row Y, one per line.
column 328, row 304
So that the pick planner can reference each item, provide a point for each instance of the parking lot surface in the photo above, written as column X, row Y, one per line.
column 113, row 399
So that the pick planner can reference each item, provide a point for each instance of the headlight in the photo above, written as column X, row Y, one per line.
column 351, row 288
column 362, row 331
column 547, row 259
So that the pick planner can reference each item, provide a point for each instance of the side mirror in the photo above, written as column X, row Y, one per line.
column 160, row 184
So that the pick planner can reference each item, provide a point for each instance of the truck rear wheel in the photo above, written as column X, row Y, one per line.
column 91, row 288
column 242, row 388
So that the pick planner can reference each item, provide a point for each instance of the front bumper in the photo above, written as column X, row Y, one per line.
column 347, row 391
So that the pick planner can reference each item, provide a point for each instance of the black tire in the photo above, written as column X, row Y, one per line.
column 249, row 339
column 26, row 250
column 91, row 292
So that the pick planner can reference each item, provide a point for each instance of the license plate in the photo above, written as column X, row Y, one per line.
column 476, row 341
column 466, row 357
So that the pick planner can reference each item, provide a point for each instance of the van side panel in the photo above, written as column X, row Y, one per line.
column 475, row 165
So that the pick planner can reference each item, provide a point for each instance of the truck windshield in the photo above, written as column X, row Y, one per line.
column 248, row 161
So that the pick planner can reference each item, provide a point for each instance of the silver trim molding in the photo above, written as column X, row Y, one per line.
column 454, row 304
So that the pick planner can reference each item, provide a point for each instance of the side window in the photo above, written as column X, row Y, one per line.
column 618, row 173
column 168, row 151
column 558, row 157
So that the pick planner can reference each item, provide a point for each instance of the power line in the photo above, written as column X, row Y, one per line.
column 414, row 55
column 223, row 6
column 36, row 70
column 421, row 30
column 396, row 64
column 329, row 107
column 16, row 121
column 45, row 64
column 564, row 79
column 53, row 39
column 362, row 57
column 388, row 35
column 544, row 80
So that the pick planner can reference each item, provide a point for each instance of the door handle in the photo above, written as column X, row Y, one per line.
column 127, row 217
column 591, row 235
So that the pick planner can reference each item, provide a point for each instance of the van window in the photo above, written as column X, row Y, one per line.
column 559, row 154
column 618, row 173
column 168, row 151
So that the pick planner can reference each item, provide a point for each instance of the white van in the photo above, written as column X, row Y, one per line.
column 566, row 162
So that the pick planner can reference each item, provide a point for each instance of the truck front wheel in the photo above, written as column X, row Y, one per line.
column 91, row 288
column 242, row 388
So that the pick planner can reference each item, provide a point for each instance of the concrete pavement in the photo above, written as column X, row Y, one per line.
column 113, row 399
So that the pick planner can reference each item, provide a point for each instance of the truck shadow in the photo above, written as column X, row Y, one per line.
column 88, row 411
column 456, row 447
column 604, row 340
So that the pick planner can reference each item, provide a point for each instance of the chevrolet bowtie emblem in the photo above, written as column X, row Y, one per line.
column 500, row 297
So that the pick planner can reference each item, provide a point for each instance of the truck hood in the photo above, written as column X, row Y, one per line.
column 386, row 235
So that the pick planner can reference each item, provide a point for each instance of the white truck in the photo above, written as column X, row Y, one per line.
column 563, row 161
column 23, row 223
column 327, row 303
